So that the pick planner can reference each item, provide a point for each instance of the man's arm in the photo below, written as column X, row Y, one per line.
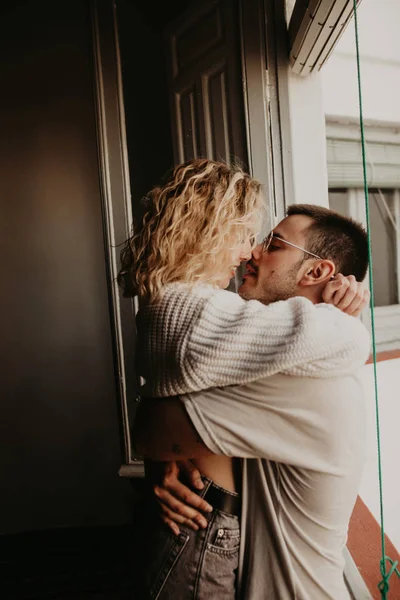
column 163, row 431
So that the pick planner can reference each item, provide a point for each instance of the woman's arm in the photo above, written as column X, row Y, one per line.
column 202, row 338
column 235, row 342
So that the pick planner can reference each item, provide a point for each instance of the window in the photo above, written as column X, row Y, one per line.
column 384, row 208
column 346, row 196
column 383, row 238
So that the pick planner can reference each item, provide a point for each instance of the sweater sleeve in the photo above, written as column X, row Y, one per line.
column 203, row 338
column 235, row 341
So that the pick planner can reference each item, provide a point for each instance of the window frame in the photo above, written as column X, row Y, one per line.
column 387, row 318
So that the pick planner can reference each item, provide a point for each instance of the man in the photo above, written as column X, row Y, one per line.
column 302, row 437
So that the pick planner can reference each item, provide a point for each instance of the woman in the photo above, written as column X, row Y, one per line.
column 198, row 228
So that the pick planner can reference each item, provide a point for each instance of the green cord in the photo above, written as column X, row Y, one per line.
column 383, row 586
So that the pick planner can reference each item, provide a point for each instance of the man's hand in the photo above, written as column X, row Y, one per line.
column 347, row 294
column 178, row 503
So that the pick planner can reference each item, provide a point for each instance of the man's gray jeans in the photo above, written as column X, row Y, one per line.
column 196, row 565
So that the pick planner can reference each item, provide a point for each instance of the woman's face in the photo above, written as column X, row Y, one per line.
column 228, row 260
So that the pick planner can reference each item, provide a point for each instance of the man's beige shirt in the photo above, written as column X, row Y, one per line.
column 303, row 444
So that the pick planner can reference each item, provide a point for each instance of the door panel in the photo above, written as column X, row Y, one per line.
column 207, row 111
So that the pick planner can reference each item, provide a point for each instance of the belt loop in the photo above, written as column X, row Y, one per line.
column 207, row 482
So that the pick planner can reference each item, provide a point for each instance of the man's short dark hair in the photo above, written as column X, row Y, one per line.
column 336, row 237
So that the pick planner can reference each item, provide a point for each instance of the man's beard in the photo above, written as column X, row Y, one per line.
column 275, row 288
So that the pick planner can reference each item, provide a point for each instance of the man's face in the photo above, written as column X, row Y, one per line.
column 274, row 275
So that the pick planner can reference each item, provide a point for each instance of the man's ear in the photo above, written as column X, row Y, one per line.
column 318, row 272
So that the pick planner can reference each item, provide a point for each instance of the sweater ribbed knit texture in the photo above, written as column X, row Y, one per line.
column 201, row 337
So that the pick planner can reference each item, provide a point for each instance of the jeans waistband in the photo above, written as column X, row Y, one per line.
column 220, row 498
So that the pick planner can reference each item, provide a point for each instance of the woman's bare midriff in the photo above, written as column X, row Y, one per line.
column 221, row 469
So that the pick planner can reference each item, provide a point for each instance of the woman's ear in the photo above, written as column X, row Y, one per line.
column 318, row 272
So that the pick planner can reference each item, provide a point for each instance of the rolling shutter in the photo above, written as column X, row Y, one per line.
column 345, row 164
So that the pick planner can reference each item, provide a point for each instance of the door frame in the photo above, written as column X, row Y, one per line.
column 117, row 214
column 264, row 35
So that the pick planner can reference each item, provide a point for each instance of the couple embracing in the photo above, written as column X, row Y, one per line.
column 260, row 390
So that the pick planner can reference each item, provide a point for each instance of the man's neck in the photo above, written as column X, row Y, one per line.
column 313, row 293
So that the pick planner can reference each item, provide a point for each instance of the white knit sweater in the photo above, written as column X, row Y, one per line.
column 201, row 337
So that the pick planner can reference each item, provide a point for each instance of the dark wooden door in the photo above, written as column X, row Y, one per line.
column 205, row 83
column 59, row 443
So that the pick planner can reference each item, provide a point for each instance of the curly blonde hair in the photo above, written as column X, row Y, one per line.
column 203, row 206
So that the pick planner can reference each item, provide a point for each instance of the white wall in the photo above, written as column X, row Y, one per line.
column 378, row 22
column 306, row 123
column 389, row 411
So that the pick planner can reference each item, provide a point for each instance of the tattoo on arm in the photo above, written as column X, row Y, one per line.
column 176, row 449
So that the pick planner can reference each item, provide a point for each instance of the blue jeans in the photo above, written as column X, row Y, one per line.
column 196, row 565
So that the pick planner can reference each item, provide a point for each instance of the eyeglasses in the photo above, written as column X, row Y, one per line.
column 267, row 242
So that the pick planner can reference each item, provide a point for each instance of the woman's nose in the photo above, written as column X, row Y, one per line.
column 245, row 253
column 257, row 252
